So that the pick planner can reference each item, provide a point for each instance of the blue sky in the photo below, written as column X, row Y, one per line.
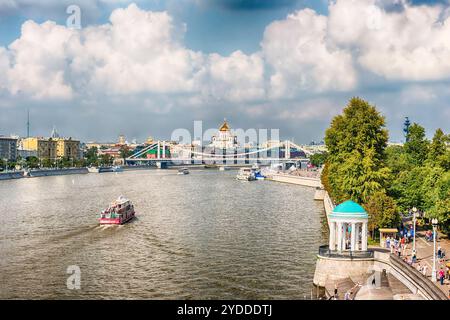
column 287, row 64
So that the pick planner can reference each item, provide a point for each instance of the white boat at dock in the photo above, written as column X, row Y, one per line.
column 246, row 174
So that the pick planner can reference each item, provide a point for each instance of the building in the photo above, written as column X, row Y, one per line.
column 225, row 138
column 44, row 148
column 8, row 148
column 67, row 148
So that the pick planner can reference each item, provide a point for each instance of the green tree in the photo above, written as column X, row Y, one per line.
column 91, row 156
column 397, row 160
column 125, row 152
column 318, row 159
column 32, row 162
column 382, row 211
column 106, row 159
column 417, row 146
column 356, row 141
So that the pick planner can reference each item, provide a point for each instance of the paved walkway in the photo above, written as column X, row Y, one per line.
column 424, row 251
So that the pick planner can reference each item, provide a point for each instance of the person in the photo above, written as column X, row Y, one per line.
column 388, row 242
column 439, row 252
column 447, row 271
column 414, row 258
column 347, row 295
column 335, row 291
column 441, row 276
column 419, row 268
column 424, row 270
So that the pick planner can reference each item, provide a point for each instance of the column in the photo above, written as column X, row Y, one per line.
column 159, row 150
column 332, row 243
column 353, row 239
column 339, row 238
column 364, row 237
column 357, row 237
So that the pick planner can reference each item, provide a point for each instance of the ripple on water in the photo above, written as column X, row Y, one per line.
column 202, row 236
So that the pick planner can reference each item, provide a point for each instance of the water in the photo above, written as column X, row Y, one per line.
column 199, row 236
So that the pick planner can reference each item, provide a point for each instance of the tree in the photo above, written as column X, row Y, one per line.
column 318, row 159
column 92, row 156
column 397, row 160
column 106, row 159
column 382, row 211
column 32, row 162
column 125, row 152
column 417, row 146
column 356, row 141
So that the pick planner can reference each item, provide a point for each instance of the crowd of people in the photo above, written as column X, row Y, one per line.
column 398, row 245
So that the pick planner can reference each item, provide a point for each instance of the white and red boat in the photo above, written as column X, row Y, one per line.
column 118, row 212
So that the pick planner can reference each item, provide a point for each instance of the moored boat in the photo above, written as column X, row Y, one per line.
column 246, row 174
column 183, row 171
column 119, row 211
column 117, row 169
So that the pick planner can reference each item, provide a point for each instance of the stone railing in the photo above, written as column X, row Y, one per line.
column 422, row 283
column 324, row 251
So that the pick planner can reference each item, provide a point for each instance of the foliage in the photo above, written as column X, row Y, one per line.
column 382, row 211
column 356, row 141
column 417, row 146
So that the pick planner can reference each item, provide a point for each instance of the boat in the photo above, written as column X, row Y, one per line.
column 100, row 169
column 119, row 211
column 246, row 174
column 224, row 168
column 183, row 171
column 211, row 166
column 257, row 172
column 117, row 169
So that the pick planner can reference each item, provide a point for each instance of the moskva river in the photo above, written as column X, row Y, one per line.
column 199, row 236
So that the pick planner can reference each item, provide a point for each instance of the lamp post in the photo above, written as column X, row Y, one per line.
column 434, row 223
column 414, row 210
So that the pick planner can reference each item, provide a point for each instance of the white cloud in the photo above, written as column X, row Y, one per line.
column 409, row 44
column 303, row 59
column 238, row 77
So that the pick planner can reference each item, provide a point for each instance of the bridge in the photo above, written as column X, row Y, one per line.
column 162, row 153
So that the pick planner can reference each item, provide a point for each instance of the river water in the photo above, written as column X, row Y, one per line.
column 199, row 236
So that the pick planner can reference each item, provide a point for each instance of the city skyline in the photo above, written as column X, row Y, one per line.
column 290, row 65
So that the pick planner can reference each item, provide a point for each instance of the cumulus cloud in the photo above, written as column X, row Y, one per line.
column 302, row 58
column 238, row 77
column 143, row 52
column 410, row 44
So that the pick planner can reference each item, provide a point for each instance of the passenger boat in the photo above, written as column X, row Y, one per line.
column 246, row 174
column 224, row 168
column 119, row 211
column 183, row 171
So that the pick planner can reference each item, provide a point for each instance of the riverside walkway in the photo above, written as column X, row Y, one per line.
column 424, row 251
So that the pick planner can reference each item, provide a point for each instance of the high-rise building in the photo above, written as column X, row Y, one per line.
column 8, row 148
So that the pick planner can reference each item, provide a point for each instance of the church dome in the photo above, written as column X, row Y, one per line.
column 224, row 126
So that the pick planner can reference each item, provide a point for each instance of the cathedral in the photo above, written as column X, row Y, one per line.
column 225, row 139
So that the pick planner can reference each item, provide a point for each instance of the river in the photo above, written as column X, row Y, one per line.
column 199, row 236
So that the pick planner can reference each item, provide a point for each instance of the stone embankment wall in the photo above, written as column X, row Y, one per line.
column 302, row 181
column 11, row 175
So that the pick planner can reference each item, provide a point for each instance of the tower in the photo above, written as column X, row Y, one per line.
column 28, row 123
column 406, row 126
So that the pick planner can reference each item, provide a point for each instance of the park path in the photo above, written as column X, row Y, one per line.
column 424, row 251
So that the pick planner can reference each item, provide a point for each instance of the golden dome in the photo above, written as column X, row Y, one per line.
column 224, row 126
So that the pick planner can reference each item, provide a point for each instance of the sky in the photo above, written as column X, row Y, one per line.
column 146, row 68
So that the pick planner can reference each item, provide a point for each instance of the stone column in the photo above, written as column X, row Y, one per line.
column 339, row 239
column 332, row 243
column 358, row 238
column 353, row 239
column 364, row 236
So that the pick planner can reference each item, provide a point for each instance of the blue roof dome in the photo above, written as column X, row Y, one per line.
column 349, row 209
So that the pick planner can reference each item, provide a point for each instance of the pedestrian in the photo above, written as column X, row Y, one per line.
column 441, row 276
column 347, row 295
column 447, row 272
column 335, row 291
column 388, row 242
column 424, row 270
column 439, row 252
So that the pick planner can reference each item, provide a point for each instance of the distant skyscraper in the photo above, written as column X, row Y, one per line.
column 406, row 126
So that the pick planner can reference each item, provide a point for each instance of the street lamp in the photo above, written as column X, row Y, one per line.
column 414, row 210
column 434, row 223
